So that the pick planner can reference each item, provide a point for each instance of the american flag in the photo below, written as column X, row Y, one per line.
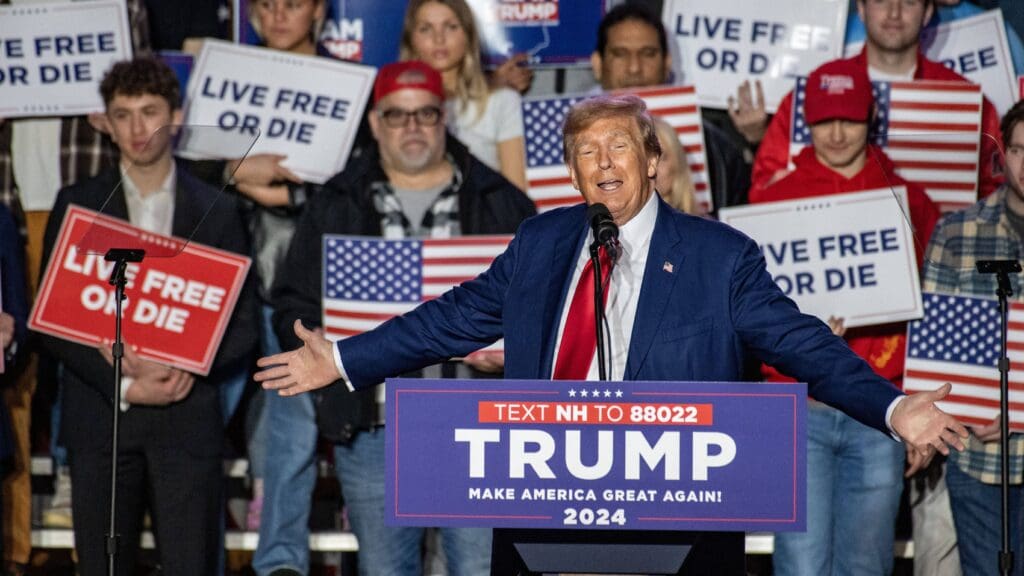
column 931, row 130
column 367, row 281
column 957, row 341
column 548, row 178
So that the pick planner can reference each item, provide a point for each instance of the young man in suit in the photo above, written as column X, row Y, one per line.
column 689, row 299
column 171, row 431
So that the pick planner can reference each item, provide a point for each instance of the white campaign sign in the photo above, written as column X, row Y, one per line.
column 975, row 47
column 723, row 43
column 305, row 107
column 53, row 55
column 850, row 256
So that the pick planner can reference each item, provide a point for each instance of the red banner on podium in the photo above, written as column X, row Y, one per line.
column 176, row 309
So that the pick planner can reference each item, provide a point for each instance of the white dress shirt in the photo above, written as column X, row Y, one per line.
column 153, row 213
column 623, row 291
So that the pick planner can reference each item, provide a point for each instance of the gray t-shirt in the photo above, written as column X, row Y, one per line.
column 415, row 204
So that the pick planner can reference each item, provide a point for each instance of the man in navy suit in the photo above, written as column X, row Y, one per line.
column 689, row 299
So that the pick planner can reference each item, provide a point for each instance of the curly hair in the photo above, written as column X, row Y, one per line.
column 139, row 77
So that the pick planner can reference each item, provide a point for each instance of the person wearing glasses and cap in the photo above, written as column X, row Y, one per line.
column 418, row 181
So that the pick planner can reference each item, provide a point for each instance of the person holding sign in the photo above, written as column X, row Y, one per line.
column 853, row 474
column 488, row 121
column 992, row 229
column 892, row 52
column 171, row 435
column 416, row 181
column 705, row 306
column 632, row 52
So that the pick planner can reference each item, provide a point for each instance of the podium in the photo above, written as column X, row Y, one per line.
column 599, row 477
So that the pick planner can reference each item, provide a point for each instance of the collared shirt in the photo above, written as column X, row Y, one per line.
column 981, row 232
column 155, row 211
column 623, row 291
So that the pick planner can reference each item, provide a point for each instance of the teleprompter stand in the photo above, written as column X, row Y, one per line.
column 1002, row 269
column 118, row 279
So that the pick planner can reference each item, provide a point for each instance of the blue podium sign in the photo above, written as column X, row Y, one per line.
column 596, row 455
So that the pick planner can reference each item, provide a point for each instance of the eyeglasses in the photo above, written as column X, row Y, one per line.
column 397, row 118
column 288, row 5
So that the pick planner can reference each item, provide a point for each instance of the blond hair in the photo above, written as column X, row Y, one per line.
column 682, row 193
column 585, row 113
column 471, row 85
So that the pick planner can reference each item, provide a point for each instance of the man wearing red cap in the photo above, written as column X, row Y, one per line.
column 853, row 473
column 416, row 181
column 891, row 53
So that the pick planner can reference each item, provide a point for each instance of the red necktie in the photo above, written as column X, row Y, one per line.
column 579, row 339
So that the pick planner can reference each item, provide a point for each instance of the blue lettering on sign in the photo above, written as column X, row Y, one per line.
column 974, row 61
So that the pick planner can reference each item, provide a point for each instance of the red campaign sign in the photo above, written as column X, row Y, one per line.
column 176, row 309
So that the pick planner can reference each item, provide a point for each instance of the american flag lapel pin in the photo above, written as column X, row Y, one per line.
column 667, row 267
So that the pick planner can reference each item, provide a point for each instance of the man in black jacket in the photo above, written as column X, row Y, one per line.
column 171, row 430
column 417, row 181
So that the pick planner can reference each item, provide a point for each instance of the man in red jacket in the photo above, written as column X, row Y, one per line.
column 891, row 53
column 853, row 473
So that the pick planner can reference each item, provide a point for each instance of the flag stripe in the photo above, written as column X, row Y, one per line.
column 370, row 280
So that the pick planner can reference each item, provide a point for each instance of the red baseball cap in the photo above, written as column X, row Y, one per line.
column 839, row 89
column 410, row 74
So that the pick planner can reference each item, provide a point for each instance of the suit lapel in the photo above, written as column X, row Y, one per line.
column 663, row 268
column 189, row 207
column 559, row 270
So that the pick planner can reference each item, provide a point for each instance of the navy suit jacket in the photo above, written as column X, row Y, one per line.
column 707, row 303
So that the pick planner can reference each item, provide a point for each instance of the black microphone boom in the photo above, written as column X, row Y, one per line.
column 606, row 232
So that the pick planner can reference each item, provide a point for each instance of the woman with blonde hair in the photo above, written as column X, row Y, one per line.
column 488, row 121
column 674, row 181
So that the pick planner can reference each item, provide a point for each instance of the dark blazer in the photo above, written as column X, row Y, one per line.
column 88, row 392
column 707, row 302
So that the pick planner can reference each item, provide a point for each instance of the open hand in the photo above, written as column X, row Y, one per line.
column 926, row 429
column 302, row 370
column 748, row 113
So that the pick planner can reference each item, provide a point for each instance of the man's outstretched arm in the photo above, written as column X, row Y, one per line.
column 307, row 368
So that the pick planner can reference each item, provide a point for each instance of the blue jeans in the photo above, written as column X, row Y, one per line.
column 976, row 514
column 290, row 433
column 854, row 482
column 395, row 550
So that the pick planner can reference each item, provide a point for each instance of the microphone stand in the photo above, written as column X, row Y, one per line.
column 1002, row 269
column 599, row 317
column 120, row 257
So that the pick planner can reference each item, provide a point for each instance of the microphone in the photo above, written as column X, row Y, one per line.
column 606, row 232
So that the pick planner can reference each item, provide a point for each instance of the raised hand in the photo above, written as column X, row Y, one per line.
column 748, row 113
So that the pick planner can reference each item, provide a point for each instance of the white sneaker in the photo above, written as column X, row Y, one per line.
column 57, row 513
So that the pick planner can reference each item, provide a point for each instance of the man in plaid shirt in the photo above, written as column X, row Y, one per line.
column 991, row 229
